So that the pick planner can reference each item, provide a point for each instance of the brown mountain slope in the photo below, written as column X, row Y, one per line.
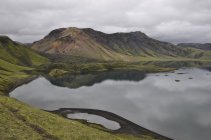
column 73, row 41
column 98, row 45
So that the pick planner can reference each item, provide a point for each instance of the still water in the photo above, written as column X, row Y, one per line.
column 95, row 119
column 175, row 104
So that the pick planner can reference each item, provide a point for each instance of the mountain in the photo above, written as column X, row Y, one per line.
column 15, row 53
column 89, row 43
column 206, row 46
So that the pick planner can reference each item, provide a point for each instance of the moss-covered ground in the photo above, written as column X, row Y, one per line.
column 22, row 122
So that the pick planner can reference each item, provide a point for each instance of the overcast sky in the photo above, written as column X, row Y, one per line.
column 168, row 20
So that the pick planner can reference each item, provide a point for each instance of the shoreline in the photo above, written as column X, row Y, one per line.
column 20, row 82
column 127, row 127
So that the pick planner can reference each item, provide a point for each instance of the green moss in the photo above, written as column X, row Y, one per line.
column 10, row 74
column 12, row 67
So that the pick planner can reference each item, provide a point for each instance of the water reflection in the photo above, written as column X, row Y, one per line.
column 76, row 81
column 180, row 110
column 95, row 119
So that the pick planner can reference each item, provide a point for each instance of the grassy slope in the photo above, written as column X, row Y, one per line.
column 10, row 74
column 19, row 121
column 15, row 60
column 18, row 54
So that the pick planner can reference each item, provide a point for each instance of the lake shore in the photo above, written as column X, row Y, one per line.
column 127, row 127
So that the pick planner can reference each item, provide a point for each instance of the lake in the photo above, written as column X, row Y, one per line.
column 175, row 104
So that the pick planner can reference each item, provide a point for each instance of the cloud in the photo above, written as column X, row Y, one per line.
column 168, row 20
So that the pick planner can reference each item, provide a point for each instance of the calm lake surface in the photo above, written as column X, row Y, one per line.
column 175, row 104
column 95, row 119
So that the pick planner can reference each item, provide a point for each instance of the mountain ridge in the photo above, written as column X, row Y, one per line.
column 132, row 46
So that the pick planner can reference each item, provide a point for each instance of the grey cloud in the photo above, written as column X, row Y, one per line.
column 173, row 21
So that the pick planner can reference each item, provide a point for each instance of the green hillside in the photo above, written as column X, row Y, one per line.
column 21, row 122
column 15, row 63
column 15, row 53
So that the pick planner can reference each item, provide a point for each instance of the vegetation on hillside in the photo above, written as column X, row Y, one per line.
column 21, row 122
column 16, row 61
column 15, row 53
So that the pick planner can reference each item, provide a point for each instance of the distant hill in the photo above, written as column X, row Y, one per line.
column 206, row 46
column 89, row 43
